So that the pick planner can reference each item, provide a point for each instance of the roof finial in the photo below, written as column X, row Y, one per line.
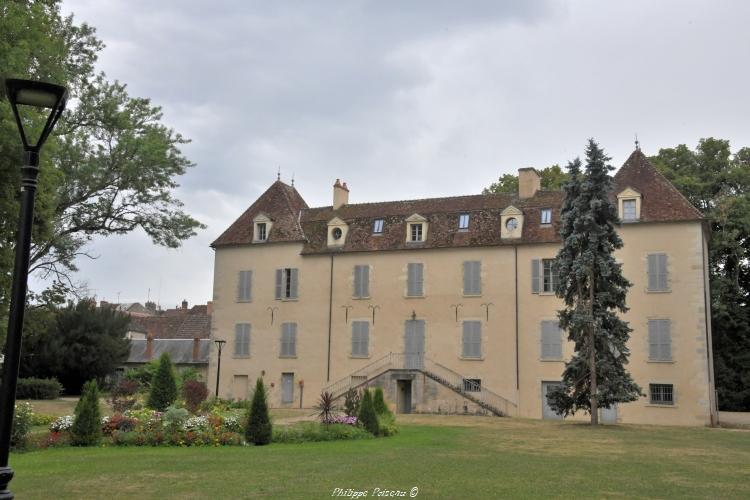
column 278, row 173
column 637, row 144
column 292, row 179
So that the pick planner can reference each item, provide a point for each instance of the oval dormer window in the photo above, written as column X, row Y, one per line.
column 511, row 224
column 336, row 233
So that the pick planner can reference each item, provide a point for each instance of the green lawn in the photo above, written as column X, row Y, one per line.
column 446, row 457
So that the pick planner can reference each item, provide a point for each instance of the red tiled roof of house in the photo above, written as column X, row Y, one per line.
column 175, row 324
column 661, row 202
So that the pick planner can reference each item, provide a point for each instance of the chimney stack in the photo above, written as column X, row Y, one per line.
column 340, row 194
column 196, row 349
column 184, row 304
column 209, row 307
column 529, row 182
column 149, row 346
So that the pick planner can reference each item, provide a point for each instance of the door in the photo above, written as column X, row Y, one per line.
column 414, row 344
column 547, row 412
column 287, row 387
column 609, row 415
column 240, row 386
column 404, row 396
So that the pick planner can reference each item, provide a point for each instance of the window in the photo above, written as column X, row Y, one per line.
column 361, row 282
column 289, row 340
column 360, row 338
column 472, row 385
column 628, row 210
column 261, row 231
column 337, row 233
column 551, row 340
column 242, row 340
column 659, row 340
column 463, row 222
column 287, row 388
column 244, row 284
column 473, row 277
column 286, row 283
column 472, row 339
column 549, row 276
column 657, row 272
column 661, row 394
column 377, row 226
column 511, row 224
column 414, row 281
column 416, row 232
column 546, row 216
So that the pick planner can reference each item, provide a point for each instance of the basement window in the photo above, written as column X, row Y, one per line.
column 472, row 385
column 661, row 394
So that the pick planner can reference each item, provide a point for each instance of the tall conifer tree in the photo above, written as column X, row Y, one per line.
column 593, row 289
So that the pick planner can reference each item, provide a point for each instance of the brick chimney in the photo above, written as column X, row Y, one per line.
column 196, row 348
column 209, row 308
column 340, row 194
column 529, row 182
column 184, row 304
column 149, row 346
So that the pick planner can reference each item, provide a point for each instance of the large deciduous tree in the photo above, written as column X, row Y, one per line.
column 717, row 182
column 110, row 166
column 593, row 290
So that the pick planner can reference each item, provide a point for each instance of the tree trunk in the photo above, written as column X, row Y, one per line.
column 592, row 354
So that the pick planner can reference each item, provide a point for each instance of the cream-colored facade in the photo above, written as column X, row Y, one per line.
column 510, row 361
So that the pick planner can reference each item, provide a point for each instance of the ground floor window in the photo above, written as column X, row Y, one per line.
column 661, row 394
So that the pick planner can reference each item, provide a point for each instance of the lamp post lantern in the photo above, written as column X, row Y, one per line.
column 219, row 346
column 33, row 94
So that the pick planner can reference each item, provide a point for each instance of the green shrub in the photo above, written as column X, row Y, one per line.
column 387, row 424
column 188, row 374
column 367, row 416
column 42, row 419
column 163, row 390
column 352, row 400
column 87, row 425
column 307, row 432
column 22, row 422
column 194, row 393
column 378, row 402
column 143, row 374
column 38, row 388
column 258, row 428
column 174, row 417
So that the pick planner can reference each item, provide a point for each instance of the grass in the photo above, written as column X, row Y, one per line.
column 444, row 456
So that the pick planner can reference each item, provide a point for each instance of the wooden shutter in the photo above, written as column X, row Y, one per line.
column 472, row 339
column 242, row 339
column 414, row 280
column 244, row 286
column 535, row 276
column 551, row 340
column 659, row 340
column 665, row 339
column 661, row 271
column 365, row 281
column 292, row 339
column 360, row 334
column 279, row 282
column 293, row 283
column 472, row 278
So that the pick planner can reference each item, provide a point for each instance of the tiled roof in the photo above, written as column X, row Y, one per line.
column 661, row 202
column 175, row 324
column 282, row 204
column 180, row 350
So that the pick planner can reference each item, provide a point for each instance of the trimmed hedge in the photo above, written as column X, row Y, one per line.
column 38, row 388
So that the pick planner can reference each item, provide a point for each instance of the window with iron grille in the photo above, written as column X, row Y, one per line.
column 377, row 226
column 661, row 394
column 463, row 221
column 472, row 385
column 416, row 232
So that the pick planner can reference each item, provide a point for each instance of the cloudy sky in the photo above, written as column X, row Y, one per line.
column 402, row 99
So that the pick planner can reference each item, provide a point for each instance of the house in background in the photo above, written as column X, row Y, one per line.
column 182, row 332
column 449, row 303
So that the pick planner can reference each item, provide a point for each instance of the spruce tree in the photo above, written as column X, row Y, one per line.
column 367, row 416
column 258, row 430
column 378, row 402
column 593, row 289
column 87, row 426
column 163, row 390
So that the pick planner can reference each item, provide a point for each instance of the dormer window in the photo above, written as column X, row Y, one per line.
column 511, row 224
column 336, row 233
column 628, row 210
column 261, row 228
column 377, row 226
column 546, row 216
column 337, row 230
column 416, row 232
column 463, row 222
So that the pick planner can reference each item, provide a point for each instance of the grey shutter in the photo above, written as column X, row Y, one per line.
column 279, row 281
column 360, row 334
column 237, row 339
column 365, row 281
column 292, row 339
column 357, row 281
column 467, row 283
column 551, row 340
column 355, row 338
column 478, row 277
column 653, row 339
column 242, row 339
column 419, row 283
column 244, row 286
column 240, row 285
column 361, row 281
column 535, row 275
column 653, row 279
column 666, row 339
column 472, row 339
column 661, row 271
column 293, row 282
column 472, row 278
column 414, row 280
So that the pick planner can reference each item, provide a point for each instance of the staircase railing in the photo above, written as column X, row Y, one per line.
column 469, row 388
column 369, row 371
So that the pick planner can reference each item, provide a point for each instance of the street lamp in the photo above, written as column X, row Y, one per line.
column 219, row 345
column 50, row 97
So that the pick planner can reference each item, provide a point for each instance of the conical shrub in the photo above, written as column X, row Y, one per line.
column 367, row 416
column 378, row 402
column 87, row 425
column 163, row 390
column 258, row 430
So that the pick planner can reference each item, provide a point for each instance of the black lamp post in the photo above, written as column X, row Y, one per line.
column 24, row 93
column 219, row 345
